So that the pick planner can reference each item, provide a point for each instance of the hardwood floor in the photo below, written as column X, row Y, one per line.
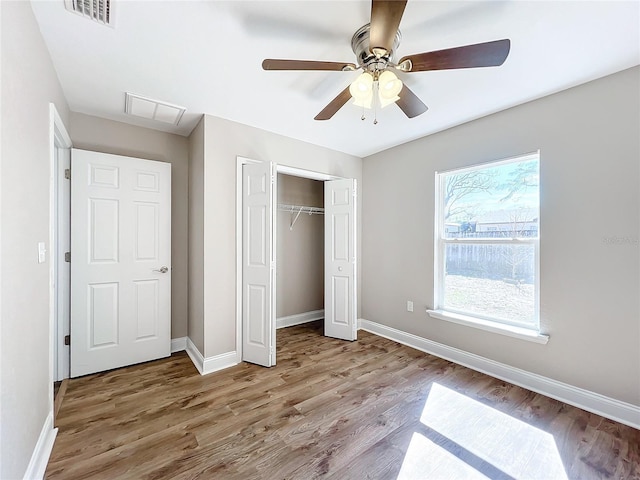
column 59, row 390
column 371, row 409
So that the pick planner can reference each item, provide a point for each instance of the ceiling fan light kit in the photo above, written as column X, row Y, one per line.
column 371, row 89
column 374, row 45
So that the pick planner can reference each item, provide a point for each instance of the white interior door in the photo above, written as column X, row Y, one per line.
column 258, row 264
column 340, row 308
column 120, row 261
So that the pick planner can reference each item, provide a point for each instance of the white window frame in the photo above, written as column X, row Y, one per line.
column 505, row 327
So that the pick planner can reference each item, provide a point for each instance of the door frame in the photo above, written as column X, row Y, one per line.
column 58, row 139
column 286, row 170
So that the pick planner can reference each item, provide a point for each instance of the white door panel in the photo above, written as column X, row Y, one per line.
column 120, row 239
column 258, row 264
column 340, row 259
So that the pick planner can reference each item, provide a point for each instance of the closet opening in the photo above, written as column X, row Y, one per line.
column 300, row 252
column 296, row 261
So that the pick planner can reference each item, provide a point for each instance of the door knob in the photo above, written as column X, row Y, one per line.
column 162, row 269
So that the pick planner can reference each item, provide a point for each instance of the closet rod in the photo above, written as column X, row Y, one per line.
column 297, row 210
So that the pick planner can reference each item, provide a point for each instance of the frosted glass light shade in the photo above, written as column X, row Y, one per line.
column 364, row 102
column 362, row 90
column 387, row 101
column 389, row 85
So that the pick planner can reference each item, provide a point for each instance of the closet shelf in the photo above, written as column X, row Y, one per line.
column 297, row 210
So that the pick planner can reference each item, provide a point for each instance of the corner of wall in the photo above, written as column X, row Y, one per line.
column 210, row 364
column 195, row 276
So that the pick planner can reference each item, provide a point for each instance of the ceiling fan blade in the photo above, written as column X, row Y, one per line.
column 410, row 104
column 335, row 105
column 489, row 54
column 385, row 20
column 276, row 64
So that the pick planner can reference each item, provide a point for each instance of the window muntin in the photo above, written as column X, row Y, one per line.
column 487, row 241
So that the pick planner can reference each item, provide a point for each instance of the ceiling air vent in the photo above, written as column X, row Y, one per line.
column 100, row 11
column 144, row 107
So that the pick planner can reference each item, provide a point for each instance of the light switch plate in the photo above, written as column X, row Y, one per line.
column 409, row 306
column 42, row 252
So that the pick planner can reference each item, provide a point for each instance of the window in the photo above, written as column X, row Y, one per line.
column 487, row 245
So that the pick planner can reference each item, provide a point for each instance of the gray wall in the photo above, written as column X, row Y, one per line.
column 223, row 141
column 196, row 236
column 107, row 136
column 300, row 251
column 590, row 187
column 29, row 83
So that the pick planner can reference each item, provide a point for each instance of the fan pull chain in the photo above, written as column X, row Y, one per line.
column 375, row 103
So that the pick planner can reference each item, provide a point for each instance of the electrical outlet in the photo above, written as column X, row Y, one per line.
column 409, row 306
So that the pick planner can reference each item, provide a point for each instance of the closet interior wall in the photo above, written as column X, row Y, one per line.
column 299, row 250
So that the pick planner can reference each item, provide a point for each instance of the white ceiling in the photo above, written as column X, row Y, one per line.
column 206, row 56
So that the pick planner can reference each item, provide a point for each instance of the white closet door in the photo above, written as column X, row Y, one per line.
column 340, row 309
column 258, row 264
column 120, row 261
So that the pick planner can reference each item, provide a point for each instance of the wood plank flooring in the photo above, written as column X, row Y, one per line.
column 370, row 409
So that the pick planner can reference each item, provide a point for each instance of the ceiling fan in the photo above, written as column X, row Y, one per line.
column 374, row 45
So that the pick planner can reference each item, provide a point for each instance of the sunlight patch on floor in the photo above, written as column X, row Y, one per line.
column 511, row 446
column 425, row 459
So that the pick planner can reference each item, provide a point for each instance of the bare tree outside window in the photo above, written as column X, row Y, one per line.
column 462, row 186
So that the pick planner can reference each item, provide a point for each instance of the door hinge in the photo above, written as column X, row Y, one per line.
column 67, row 339
column 67, row 257
column 67, row 173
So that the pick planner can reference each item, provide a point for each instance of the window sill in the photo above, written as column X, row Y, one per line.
column 494, row 327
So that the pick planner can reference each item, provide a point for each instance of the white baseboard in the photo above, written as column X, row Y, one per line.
column 42, row 451
column 210, row 364
column 178, row 344
column 593, row 402
column 299, row 318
